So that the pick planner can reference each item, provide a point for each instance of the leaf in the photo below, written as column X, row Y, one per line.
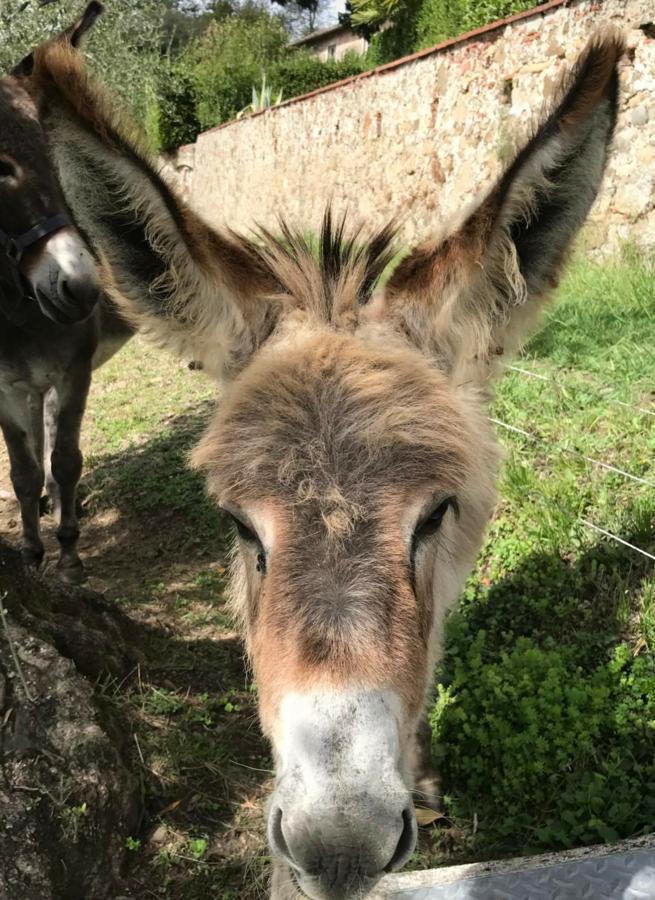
column 426, row 817
column 170, row 807
column 198, row 846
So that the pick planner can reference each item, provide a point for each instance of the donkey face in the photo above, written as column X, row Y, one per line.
column 48, row 258
column 352, row 445
column 360, row 484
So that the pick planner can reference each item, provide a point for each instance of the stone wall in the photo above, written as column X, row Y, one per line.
column 421, row 137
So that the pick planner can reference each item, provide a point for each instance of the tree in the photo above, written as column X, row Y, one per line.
column 304, row 16
column 124, row 46
column 230, row 57
column 367, row 17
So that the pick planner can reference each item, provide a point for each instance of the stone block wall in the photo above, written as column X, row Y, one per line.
column 420, row 138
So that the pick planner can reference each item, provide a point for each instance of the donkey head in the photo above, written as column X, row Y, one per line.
column 41, row 253
column 351, row 446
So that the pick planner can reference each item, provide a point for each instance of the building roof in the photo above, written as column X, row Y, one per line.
column 321, row 34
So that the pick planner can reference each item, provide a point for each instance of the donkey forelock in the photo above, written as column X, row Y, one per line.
column 329, row 277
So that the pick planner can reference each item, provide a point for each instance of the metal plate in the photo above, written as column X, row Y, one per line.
column 617, row 876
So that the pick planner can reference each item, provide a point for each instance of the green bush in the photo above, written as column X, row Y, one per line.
column 480, row 12
column 177, row 122
column 549, row 743
column 439, row 20
column 301, row 72
column 394, row 42
column 420, row 25
column 229, row 59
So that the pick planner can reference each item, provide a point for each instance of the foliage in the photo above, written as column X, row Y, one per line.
column 304, row 16
column 421, row 23
column 124, row 46
column 229, row 58
column 176, row 121
column 439, row 20
column 261, row 99
column 212, row 82
column 374, row 13
column 476, row 13
column 547, row 754
column 301, row 72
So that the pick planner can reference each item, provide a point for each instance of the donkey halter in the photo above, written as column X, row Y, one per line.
column 14, row 247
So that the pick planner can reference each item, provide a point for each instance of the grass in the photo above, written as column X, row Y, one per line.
column 544, row 718
column 545, row 703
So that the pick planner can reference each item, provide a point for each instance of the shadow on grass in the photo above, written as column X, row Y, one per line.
column 204, row 769
column 147, row 514
column 545, row 716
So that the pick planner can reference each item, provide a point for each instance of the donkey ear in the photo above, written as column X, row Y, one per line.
column 472, row 297
column 76, row 32
column 194, row 288
column 72, row 35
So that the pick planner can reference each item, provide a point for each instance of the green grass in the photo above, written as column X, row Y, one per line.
column 544, row 721
column 544, row 712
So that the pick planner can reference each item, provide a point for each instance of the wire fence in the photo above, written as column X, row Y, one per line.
column 552, row 447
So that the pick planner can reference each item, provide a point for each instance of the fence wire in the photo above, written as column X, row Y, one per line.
column 592, row 389
column 559, row 448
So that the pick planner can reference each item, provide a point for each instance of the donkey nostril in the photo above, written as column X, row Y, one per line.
column 406, row 843
column 83, row 294
column 8, row 168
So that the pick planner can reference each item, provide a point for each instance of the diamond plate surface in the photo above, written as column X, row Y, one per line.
column 619, row 876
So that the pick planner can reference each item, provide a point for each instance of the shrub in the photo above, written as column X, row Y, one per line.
column 394, row 42
column 546, row 753
column 176, row 122
column 480, row 12
column 229, row 59
column 419, row 25
column 439, row 20
column 301, row 72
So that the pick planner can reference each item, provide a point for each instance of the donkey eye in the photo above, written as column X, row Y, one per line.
column 431, row 523
column 244, row 531
column 247, row 535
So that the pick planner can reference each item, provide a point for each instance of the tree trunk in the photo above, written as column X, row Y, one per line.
column 67, row 798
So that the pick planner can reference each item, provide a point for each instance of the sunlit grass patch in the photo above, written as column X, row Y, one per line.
column 552, row 645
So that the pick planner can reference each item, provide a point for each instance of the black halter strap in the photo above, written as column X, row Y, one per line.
column 13, row 247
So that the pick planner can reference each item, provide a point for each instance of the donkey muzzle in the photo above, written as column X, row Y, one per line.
column 63, row 276
column 341, row 814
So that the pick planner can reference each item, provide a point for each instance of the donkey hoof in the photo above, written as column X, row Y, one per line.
column 71, row 572
column 32, row 558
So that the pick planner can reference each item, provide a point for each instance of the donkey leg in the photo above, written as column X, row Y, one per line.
column 26, row 471
column 50, row 416
column 427, row 790
column 63, row 417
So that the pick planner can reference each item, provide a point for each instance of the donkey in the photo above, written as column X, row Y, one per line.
column 54, row 324
column 352, row 446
